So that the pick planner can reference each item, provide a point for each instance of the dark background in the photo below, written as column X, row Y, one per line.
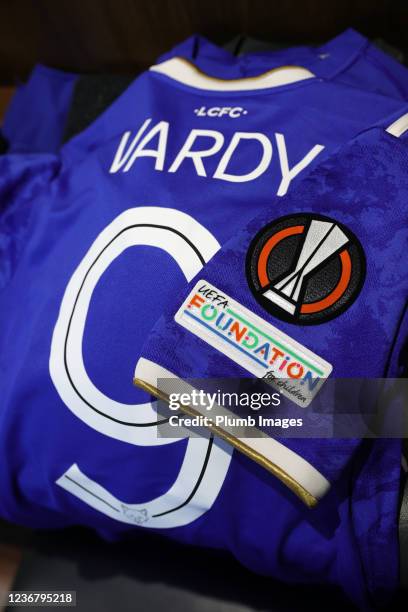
column 127, row 35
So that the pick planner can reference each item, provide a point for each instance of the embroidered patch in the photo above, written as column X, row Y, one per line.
column 305, row 268
column 255, row 345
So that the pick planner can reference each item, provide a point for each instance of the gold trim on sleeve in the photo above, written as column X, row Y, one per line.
column 306, row 497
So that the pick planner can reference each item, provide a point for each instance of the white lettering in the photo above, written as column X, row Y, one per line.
column 120, row 161
column 196, row 156
column 288, row 174
column 162, row 128
column 260, row 168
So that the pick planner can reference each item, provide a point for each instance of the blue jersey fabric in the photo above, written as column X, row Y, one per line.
column 94, row 242
column 36, row 117
column 349, row 58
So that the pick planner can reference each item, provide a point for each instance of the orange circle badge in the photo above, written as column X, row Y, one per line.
column 305, row 268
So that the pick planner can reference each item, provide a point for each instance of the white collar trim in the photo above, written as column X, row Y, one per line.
column 399, row 127
column 183, row 71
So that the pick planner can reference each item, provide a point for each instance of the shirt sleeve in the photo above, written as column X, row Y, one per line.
column 342, row 323
column 47, row 94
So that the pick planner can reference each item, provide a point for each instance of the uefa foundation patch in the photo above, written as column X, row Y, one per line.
column 305, row 269
column 255, row 345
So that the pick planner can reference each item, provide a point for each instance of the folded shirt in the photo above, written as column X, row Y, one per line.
column 94, row 242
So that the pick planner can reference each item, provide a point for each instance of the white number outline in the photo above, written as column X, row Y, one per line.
column 206, row 462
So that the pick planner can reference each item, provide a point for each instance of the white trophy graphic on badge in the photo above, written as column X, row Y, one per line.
column 322, row 240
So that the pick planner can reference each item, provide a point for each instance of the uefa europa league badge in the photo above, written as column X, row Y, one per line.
column 305, row 268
